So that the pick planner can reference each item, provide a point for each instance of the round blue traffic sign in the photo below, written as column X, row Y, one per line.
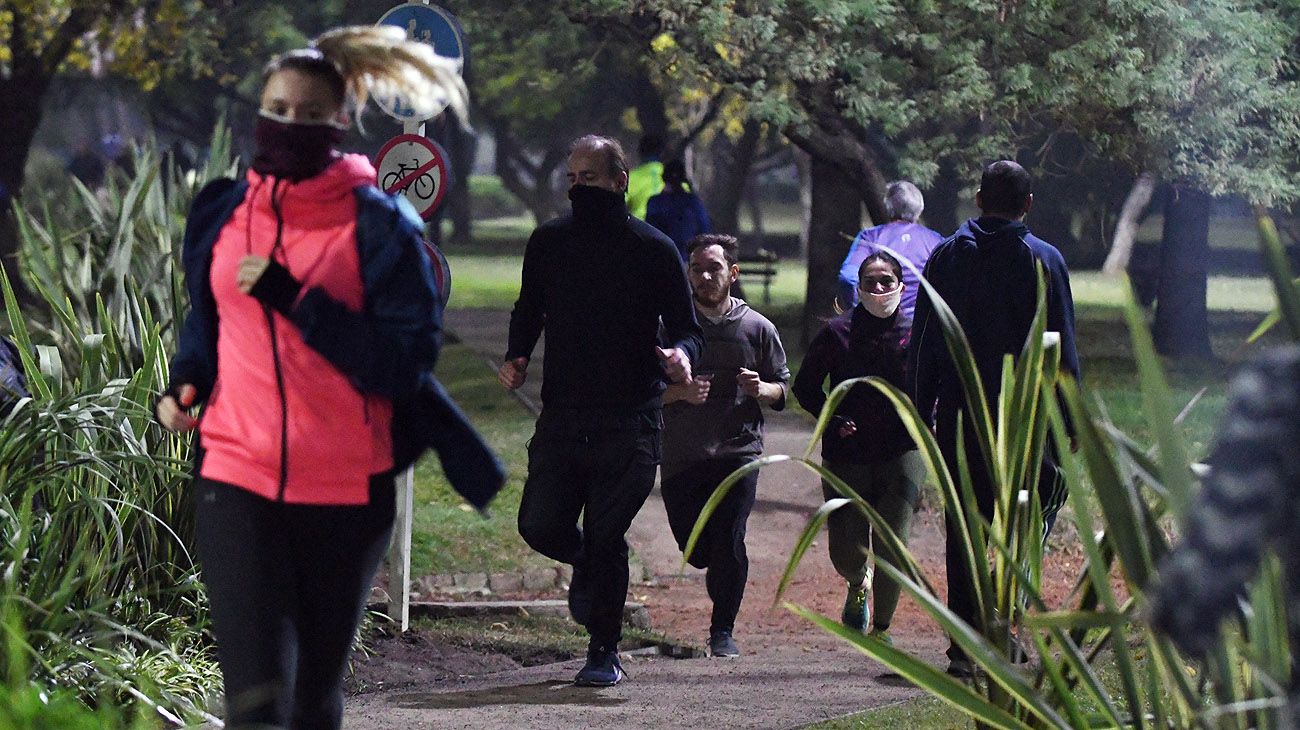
column 433, row 25
column 426, row 24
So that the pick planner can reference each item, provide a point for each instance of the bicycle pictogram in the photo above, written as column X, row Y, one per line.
column 414, row 167
column 424, row 185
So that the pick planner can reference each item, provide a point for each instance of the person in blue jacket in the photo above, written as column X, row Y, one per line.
column 987, row 272
column 678, row 212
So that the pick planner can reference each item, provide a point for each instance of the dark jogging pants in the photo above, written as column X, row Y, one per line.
column 1052, row 494
column 721, row 547
column 287, row 584
column 601, row 465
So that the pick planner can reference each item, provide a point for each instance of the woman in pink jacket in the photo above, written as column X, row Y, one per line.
column 313, row 311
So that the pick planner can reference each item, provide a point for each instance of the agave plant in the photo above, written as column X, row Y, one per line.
column 1118, row 507
column 97, row 582
column 113, row 255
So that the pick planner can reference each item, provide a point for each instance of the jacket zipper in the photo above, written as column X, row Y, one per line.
column 275, row 353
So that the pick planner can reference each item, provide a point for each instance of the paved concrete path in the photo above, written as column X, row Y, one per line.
column 791, row 675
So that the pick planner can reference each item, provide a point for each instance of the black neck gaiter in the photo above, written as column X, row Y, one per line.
column 597, row 205
column 293, row 151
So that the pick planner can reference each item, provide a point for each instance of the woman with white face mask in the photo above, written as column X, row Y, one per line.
column 866, row 444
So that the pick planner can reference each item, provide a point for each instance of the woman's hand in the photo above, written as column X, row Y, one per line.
column 251, row 269
column 172, row 410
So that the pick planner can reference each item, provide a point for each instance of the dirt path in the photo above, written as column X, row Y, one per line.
column 791, row 674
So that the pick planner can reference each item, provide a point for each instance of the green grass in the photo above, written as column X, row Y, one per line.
column 922, row 713
column 448, row 536
column 527, row 639
column 927, row 712
column 1224, row 293
column 484, row 282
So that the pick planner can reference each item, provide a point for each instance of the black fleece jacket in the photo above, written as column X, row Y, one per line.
column 599, row 282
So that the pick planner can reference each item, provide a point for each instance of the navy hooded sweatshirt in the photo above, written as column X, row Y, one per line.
column 986, row 273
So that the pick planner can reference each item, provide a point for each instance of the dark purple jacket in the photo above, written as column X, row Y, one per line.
column 853, row 345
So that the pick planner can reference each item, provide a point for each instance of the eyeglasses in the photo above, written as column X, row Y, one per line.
column 884, row 282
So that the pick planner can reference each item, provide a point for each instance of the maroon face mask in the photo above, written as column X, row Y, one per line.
column 293, row 151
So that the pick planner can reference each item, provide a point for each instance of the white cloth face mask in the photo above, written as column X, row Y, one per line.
column 881, row 305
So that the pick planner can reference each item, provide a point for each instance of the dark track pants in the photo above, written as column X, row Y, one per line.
column 721, row 547
column 601, row 465
column 892, row 488
column 1051, row 494
column 287, row 584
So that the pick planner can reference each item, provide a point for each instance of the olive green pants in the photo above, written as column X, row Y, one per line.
column 892, row 488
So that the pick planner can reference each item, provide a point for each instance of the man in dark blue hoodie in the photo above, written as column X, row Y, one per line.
column 987, row 274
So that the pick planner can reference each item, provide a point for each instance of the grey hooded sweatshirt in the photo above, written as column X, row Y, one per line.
column 730, row 423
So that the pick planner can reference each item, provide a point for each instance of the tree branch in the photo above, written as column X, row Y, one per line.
column 79, row 22
column 715, row 107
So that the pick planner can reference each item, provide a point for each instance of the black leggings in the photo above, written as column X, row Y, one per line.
column 287, row 584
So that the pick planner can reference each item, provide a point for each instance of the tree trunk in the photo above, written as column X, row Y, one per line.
column 857, row 163
column 651, row 111
column 530, row 182
column 942, row 200
column 1121, row 246
column 20, row 97
column 460, row 146
column 1182, row 327
column 1052, row 219
column 835, row 218
column 729, row 167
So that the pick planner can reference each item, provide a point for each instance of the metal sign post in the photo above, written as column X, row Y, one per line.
column 399, row 554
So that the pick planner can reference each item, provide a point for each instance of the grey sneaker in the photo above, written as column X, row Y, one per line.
column 721, row 644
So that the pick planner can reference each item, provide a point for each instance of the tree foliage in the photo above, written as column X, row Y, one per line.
column 1200, row 90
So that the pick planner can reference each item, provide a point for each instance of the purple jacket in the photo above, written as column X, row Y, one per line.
column 911, row 240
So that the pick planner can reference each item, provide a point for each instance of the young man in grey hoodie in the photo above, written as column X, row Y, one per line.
column 713, row 425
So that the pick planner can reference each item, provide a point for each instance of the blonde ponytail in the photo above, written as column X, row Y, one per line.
column 378, row 60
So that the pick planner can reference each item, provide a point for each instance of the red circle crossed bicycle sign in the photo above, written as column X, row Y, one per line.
column 416, row 167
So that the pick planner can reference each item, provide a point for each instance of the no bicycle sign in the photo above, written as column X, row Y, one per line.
column 416, row 167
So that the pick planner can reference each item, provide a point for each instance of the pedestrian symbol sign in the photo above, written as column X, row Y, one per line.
column 425, row 24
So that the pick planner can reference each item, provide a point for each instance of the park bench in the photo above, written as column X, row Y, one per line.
column 761, row 266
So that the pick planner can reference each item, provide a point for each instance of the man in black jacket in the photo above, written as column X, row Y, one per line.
column 987, row 272
column 599, row 282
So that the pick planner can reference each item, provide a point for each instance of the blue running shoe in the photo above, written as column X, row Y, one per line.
column 721, row 643
column 602, row 669
column 856, row 612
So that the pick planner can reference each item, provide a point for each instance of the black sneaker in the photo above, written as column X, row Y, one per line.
column 1019, row 654
column 721, row 644
column 580, row 596
column 961, row 668
column 602, row 669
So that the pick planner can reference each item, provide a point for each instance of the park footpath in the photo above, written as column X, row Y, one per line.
column 791, row 674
